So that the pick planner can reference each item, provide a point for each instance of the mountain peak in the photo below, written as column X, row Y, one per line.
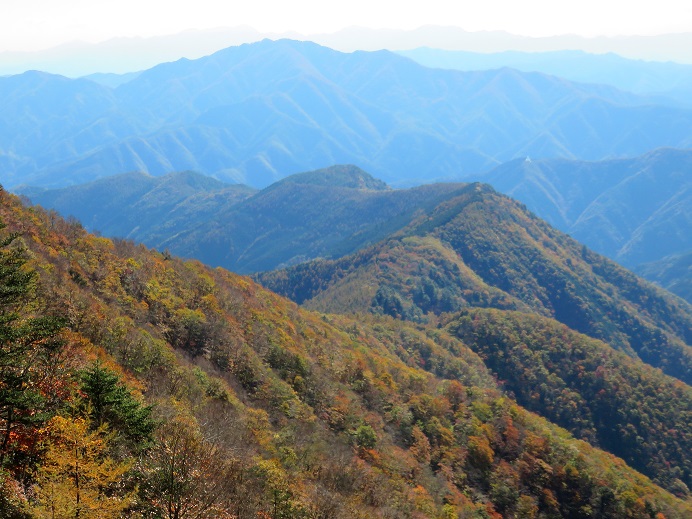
column 345, row 175
column 193, row 179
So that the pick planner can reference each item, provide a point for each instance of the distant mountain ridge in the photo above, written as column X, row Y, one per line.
column 256, row 113
column 674, row 273
column 124, row 55
column 673, row 80
column 327, row 212
column 632, row 210
column 140, row 207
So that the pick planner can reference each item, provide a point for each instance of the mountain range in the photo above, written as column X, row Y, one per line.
column 326, row 212
column 406, row 253
column 137, row 206
column 126, row 55
column 478, row 248
column 256, row 113
column 436, row 351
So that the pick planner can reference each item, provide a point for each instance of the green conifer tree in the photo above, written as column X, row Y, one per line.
column 28, row 346
column 111, row 403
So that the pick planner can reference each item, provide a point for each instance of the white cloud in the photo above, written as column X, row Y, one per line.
column 33, row 24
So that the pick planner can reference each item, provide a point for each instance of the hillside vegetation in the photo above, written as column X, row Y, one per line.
column 479, row 249
column 674, row 273
column 600, row 395
column 634, row 211
column 140, row 207
column 482, row 249
column 204, row 395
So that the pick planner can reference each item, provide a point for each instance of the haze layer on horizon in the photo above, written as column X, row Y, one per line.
column 40, row 24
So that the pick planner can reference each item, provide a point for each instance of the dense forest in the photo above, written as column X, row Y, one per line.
column 481, row 249
column 135, row 384
column 599, row 394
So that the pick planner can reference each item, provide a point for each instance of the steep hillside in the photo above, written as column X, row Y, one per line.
column 256, row 113
column 633, row 210
column 600, row 395
column 265, row 409
column 327, row 212
column 479, row 248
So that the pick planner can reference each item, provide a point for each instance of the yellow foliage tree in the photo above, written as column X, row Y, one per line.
column 77, row 479
column 189, row 478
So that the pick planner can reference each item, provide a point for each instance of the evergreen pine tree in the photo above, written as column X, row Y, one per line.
column 28, row 346
column 111, row 403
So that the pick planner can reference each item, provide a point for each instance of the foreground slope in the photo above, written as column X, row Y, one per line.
column 479, row 248
column 587, row 387
column 285, row 413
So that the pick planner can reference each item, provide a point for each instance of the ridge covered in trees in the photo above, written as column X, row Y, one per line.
column 481, row 249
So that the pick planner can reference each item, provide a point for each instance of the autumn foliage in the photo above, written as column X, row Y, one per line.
column 181, row 391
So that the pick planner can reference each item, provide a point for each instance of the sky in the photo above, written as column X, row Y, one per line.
column 28, row 25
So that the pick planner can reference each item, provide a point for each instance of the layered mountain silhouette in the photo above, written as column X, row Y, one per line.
column 435, row 351
column 635, row 211
column 256, row 113
column 323, row 213
column 140, row 207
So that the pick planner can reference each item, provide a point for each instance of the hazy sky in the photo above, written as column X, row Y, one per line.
column 37, row 24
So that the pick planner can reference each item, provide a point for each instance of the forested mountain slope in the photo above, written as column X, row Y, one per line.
column 674, row 273
column 481, row 249
column 634, row 211
column 329, row 212
column 270, row 410
column 140, row 207
column 600, row 395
